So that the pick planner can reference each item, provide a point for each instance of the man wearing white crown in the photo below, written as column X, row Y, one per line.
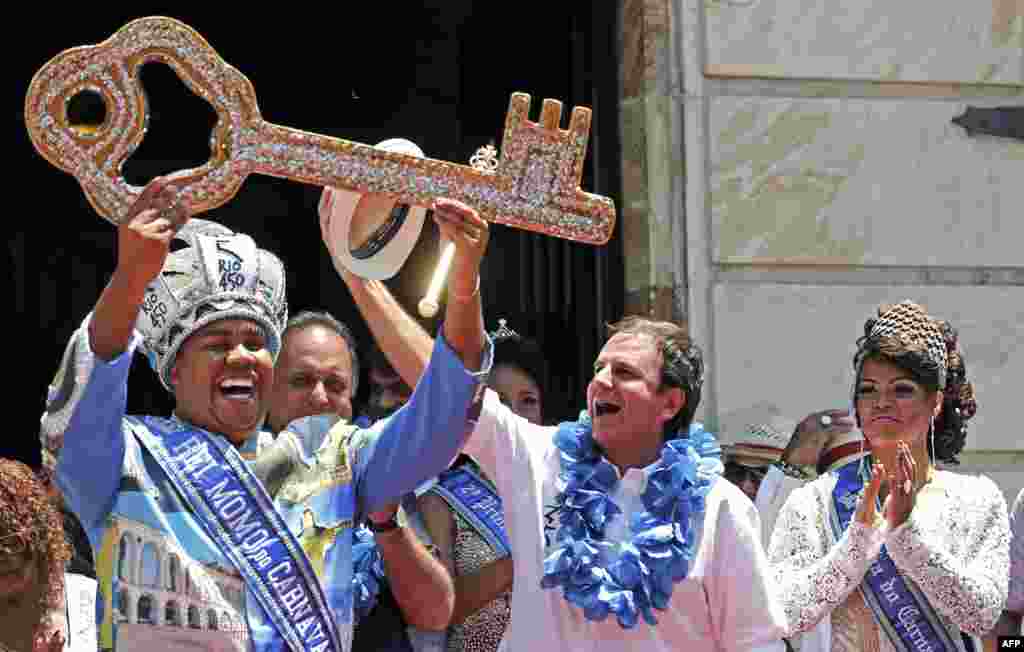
column 189, row 548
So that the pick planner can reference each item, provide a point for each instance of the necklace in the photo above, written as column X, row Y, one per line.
column 634, row 577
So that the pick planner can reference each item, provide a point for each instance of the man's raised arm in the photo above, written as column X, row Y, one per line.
column 420, row 440
column 81, row 426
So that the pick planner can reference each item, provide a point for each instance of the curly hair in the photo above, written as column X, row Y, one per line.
column 958, row 401
column 30, row 525
column 682, row 363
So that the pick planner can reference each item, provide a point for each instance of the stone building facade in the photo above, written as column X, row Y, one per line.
column 788, row 165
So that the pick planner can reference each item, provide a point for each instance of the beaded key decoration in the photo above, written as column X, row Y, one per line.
column 535, row 185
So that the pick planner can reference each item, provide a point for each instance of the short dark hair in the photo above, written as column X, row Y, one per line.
column 682, row 363
column 308, row 318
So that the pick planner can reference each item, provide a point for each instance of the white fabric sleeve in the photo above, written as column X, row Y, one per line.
column 969, row 585
column 809, row 578
column 507, row 447
column 775, row 489
column 740, row 599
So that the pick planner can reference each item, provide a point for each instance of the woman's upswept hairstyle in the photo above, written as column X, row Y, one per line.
column 524, row 354
column 929, row 351
column 30, row 524
column 682, row 363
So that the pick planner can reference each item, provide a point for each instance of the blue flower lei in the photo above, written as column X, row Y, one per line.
column 367, row 572
column 633, row 577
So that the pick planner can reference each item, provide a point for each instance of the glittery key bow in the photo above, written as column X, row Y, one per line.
column 535, row 185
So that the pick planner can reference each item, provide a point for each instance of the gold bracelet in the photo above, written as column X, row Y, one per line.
column 464, row 299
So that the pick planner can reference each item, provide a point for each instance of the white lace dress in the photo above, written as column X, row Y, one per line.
column 954, row 547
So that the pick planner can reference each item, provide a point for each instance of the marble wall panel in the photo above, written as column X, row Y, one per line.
column 860, row 182
column 981, row 41
column 787, row 350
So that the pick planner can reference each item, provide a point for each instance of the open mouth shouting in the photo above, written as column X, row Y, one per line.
column 237, row 389
column 605, row 408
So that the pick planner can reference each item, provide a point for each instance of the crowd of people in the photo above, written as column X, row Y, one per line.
column 446, row 513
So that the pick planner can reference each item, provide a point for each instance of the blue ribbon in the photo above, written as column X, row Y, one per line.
column 231, row 505
column 475, row 499
column 903, row 612
column 633, row 578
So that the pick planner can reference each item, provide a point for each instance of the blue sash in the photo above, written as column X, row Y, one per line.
column 897, row 603
column 472, row 497
column 238, row 515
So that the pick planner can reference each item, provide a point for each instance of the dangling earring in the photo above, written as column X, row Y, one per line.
column 931, row 437
column 860, row 464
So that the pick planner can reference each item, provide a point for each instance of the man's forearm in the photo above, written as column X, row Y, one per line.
column 420, row 583
column 464, row 323
column 113, row 319
column 473, row 592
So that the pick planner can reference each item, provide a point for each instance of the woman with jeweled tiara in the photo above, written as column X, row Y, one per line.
column 891, row 553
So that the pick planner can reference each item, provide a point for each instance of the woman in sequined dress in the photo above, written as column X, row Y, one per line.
column 895, row 554
column 32, row 557
column 483, row 579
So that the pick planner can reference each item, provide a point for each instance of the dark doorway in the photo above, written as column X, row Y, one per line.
column 439, row 72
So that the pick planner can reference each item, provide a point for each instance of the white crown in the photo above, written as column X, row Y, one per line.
column 219, row 275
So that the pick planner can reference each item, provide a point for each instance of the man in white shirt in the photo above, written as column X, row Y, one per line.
column 645, row 390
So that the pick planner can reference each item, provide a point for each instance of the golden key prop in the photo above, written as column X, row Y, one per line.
column 535, row 186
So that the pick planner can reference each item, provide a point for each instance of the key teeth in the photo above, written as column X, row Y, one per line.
column 579, row 123
column 551, row 114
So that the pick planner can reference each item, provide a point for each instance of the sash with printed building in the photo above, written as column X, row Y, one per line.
column 476, row 500
column 238, row 515
column 899, row 607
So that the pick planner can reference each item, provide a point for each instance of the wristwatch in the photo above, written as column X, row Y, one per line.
column 792, row 471
column 385, row 526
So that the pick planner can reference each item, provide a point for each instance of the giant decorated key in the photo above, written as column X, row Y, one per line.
column 535, row 185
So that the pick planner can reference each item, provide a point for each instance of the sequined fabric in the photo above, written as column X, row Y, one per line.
column 65, row 391
column 909, row 324
column 482, row 631
column 955, row 548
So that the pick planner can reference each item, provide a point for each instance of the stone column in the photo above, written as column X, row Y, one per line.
column 651, row 214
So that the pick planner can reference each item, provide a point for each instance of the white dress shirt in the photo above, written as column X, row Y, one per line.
column 723, row 604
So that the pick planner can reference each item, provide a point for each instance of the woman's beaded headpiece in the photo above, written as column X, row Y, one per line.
column 909, row 324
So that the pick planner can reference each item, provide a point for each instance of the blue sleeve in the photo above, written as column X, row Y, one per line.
column 419, row 440
column 91, row 455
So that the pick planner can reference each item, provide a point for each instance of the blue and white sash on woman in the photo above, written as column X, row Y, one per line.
column 898, row 605
column 475, row 499
column 238, row 515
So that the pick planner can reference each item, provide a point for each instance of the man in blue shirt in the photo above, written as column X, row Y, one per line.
column 188, row 549
column 397, row 582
